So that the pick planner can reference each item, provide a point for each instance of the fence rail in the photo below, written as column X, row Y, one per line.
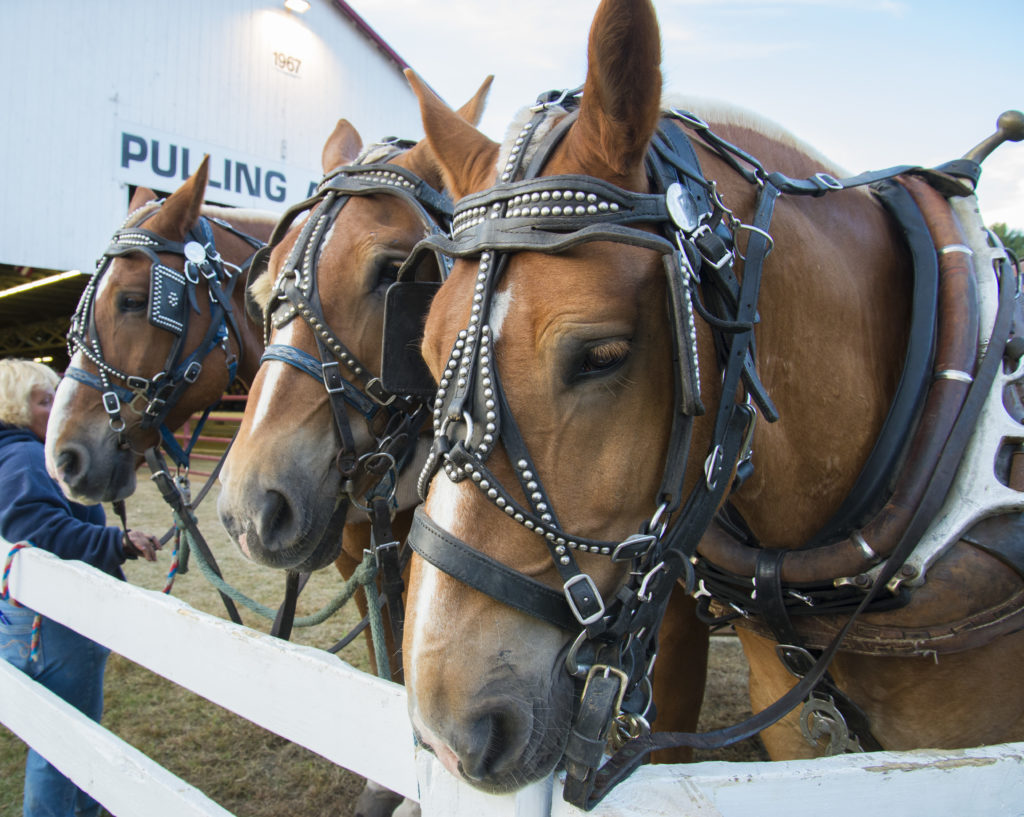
column 305, row 695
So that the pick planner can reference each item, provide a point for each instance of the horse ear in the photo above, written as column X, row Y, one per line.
column 622, row 95
column 141, row 197
column 342, row 146
column 474, row 109
column 466, row 156
column 421, row 156
column 181, row 210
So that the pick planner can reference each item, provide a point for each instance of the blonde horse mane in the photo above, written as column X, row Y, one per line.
column 715, row 112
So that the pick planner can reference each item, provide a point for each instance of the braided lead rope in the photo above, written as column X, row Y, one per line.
column 172, row 571
column 380, row 642
column 5, row 594
column 365, row 574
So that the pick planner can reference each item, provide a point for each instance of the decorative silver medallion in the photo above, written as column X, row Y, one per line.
column 195, row 252
column 682, row 207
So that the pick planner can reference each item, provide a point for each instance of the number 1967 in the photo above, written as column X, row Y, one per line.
column 286, row 63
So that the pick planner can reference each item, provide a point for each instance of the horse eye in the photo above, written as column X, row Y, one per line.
column 603, row 358
column 386, row 272
column 131, row 302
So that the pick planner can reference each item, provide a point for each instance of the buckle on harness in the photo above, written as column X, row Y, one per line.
column 333, row 381
column 376, row 391
column 827, row 181
column 136, row 383
column 607, row 671
column 711, row 248
column 111, row 403
column 585, row 602
column 193, row 371
column 633, row 547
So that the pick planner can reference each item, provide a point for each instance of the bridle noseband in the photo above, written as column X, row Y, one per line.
column 172, row 299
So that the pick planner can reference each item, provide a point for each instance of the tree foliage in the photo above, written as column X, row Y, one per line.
column 1013, row 240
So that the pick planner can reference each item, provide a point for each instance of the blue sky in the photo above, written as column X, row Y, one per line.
column 869, row 83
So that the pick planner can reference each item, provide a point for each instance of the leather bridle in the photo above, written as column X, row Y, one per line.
column 172, row 299
column 393, row 419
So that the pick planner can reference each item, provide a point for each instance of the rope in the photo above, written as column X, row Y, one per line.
column 365, row 574
column 172, row 572
column 380, row 643
column 5, row 594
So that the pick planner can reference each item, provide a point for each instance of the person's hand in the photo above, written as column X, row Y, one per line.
column 136, row 543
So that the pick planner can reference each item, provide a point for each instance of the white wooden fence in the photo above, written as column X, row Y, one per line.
column 304, row 694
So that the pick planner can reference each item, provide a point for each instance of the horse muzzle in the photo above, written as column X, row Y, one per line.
column 91, row 473
column 510, row 733
column 272, row 529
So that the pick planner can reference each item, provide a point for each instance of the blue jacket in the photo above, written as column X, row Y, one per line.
column 33, row 508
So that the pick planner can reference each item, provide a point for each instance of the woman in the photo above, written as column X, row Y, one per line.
column 33, row 509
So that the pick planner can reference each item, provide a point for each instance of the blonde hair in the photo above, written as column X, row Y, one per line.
column 17, row 379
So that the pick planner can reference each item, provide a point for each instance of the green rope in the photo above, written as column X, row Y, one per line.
column 365, row 574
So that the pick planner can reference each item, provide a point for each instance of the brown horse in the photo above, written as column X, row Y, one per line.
column 574, row 380
column 282, row 496
column 281, row 482
column 146, row 355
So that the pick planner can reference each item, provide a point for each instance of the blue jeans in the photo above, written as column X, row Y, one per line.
column 71, row 666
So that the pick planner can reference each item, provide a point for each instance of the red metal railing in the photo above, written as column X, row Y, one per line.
column 210, row 447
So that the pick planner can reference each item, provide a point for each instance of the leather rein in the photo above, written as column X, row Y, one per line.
column 614, row 651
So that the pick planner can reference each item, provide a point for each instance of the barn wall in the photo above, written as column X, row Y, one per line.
column 101, row 95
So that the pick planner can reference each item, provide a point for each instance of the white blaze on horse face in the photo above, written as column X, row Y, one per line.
column 446, row 506
column 500, row 305
column 443, row 505
column 105, row 281
column 61, row 414
column 269, row 386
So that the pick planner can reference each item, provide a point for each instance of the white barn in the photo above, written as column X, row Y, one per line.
column 104, row 96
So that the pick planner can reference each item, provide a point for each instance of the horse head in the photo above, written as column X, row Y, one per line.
column 574, row 378
column 559, row 360
column 302, row 449
column 154, row 338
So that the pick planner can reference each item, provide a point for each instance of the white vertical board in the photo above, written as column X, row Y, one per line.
column 245, row 80
column 120, row 777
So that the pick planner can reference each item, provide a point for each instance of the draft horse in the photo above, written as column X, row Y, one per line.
column 673, row 352
column 324, row 464
column 159, row 334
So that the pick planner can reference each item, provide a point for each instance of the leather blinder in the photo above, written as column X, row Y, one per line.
column 168, row 298
column 403, row 370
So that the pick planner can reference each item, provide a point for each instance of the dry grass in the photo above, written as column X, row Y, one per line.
column 249, row 771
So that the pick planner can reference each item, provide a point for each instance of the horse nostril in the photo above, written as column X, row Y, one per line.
column 276, row 521
column 69, row 464
column 494, row 743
